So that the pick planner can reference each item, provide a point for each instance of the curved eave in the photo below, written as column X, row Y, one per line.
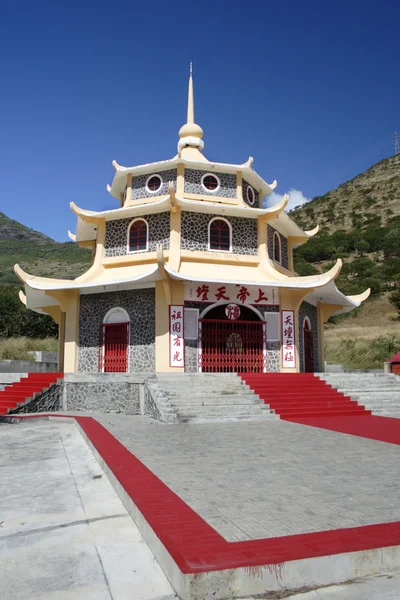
column 34, row 281
column 36, row 288
column 285, row 225
column 124, row 212
column 311, row 232
column 311, row 282
column 236, row 210
column 330, row 294
column 119, row 181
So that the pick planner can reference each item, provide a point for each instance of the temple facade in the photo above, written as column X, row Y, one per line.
column 190, row 273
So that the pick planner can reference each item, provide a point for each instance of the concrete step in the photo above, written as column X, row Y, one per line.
column 197, row 386
column 205, row 396
column 205, row 389
column 215, row 402
column 221, row 410
column 212, row 419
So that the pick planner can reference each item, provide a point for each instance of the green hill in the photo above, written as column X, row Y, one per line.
column 37, row 253
column 360, row 223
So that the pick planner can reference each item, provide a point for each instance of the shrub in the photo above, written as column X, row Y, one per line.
column 18, row 348
column 394, row 299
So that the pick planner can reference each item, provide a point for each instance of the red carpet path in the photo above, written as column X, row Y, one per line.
column 196, row 547
column 383, row 429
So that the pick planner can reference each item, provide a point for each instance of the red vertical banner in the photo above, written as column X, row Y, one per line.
column 176, row 338
column 288, row 340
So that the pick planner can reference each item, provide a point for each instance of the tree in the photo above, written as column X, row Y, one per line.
column 16, row 320
column 374, row 284
column 394, row 299
column 362, row 246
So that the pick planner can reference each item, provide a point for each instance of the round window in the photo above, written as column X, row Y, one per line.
column 210, row 182
column 250, row 195
column 153, row 184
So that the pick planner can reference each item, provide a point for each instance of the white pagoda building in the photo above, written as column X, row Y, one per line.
column 190, row 273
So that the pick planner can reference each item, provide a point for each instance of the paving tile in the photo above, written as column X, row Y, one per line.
column 268, row 479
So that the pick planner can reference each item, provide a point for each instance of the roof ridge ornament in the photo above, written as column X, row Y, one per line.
column 190, row 134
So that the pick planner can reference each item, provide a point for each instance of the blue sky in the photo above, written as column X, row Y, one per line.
column 309, row 89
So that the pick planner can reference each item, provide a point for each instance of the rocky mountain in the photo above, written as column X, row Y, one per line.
column 12, row 230
column 360, row 223
column 370, row 198
column 37, row 253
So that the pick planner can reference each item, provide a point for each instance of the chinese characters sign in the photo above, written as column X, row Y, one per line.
column 176, row 342
column 288, row 339
column 232, row 311
column 240, row 294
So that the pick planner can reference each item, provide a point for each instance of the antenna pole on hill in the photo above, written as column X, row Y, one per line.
column 396, row 143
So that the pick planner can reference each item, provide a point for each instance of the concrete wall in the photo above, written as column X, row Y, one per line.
column 27, row 366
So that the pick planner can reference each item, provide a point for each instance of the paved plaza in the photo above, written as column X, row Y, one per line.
column 64, row 533
column 261, row 480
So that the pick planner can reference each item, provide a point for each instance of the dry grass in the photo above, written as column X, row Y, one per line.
column 366, row 338
column 17, row 348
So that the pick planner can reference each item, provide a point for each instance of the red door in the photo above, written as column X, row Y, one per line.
column 231, row 347
column 115, row 340
column 308, row 348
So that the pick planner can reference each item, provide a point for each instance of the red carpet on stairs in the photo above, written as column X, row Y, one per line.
column 24, row 390
column 301, row 396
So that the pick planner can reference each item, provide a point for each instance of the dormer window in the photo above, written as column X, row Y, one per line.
column 154, row 183
column 210, row 182
column 251, row 197
column 138, row 236
column 220, row 235
column 277, row 247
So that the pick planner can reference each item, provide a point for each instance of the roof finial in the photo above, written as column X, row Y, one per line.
column 190, row 108
column 190, row 133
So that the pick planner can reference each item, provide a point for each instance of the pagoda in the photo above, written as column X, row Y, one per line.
column 190, row 274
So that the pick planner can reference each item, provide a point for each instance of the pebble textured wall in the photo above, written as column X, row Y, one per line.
column 140, row 306
column 191, row 356
column 284, row 246
column 194, row 233
column 116, row 240
column 227, row 188
column 256, row 204
column 105, row 397
column 310, row 311
column 273, row 357
column 139, row 184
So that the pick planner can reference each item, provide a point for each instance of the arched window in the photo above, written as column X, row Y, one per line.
column 138, row 235
column 219, row 235
column 277, row 247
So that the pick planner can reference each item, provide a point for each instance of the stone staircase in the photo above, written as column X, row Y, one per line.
column 22, row 392
column 378, row 392
column 302, row 395
column 205, row 397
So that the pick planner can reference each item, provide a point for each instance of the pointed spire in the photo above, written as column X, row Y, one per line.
column 190, row 108
column 190, row 134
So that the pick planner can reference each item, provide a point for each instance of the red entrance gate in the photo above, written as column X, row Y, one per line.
column 113, row 348
column 232, row 347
